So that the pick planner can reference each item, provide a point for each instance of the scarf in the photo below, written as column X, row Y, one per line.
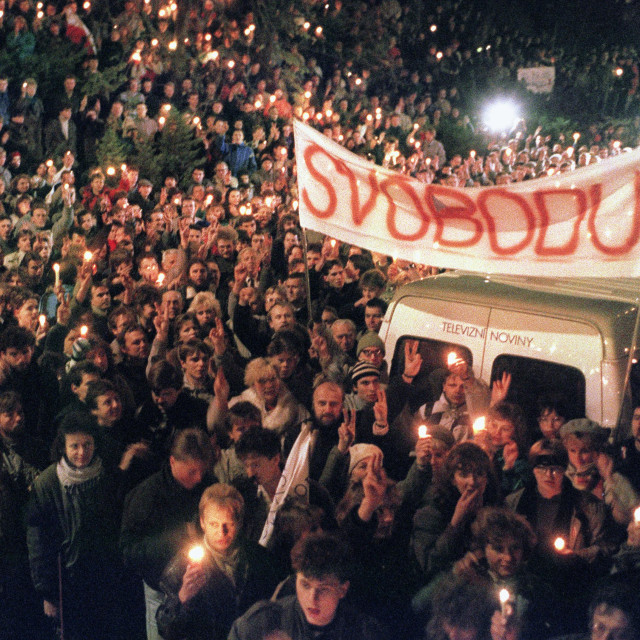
column 72, row 477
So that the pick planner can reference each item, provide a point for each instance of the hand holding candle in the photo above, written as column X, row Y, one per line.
column 504, row 596
column 560, row 546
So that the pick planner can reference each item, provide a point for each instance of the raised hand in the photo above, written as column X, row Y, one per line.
column 374, row 485
column 500, row 388
column 412, row 359
column 510, row 454
column 347, row 431
column 221, row 387
column 380, row 412
column 193, row 580
column 218, row 337
column 467, row 506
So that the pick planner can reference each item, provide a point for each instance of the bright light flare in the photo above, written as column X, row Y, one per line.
column 479, row 425
column 501, row 115
column 196, row 553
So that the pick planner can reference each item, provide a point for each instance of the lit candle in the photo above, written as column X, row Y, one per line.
column 636, row 516
column 451, row 358
column 123, row 167
column 472, row 153
column 42, row 319
column 333, row 243
column 504, row 599
column 318, row 31
column 559, row 544
column 160, row 279
column 87, row 256
column 478, row 425
column 111, row 171
column 56, row 271
column 576, row 137
column 84, row 330
column 196, row 553
column 423, row 432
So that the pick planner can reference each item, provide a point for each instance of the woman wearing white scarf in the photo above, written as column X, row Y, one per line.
column 280, row 411
column 72, row 536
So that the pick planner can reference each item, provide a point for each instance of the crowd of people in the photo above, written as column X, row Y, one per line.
column 199, row 434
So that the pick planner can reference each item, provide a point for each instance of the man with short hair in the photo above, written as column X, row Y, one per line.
column 296, row 290
column 238, row 155
column 170, row 410
column 134, row 347
column 159, row 512
column 37, row 386
column 322, row 582
column 259, row 450
column 60, row 134
column 344, row 333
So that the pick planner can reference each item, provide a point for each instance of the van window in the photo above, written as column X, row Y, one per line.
column 531, row 379
column 428, row 383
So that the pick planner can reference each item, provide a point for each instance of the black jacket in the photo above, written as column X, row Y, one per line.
column 211, row 612
column 154, row 523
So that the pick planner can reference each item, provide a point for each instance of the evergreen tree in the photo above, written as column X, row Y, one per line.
column 178, row 149
column 112, row 150
column 146, row 158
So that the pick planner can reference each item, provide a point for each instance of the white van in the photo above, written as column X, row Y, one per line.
column 571, row 337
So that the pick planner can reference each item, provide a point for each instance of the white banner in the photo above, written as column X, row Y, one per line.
column 584, row 223
column 538, row 79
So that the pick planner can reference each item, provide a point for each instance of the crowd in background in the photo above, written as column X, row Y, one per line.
column 174, row 362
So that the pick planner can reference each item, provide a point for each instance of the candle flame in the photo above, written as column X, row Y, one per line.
column 84, row 330
column 504, row 596
column 559, row 544
column 423, row 432
column 451, row 358
column 636, row 516
column 196, row 553
column 478, row 425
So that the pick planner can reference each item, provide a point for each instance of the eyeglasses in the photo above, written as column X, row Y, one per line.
column 552, row 471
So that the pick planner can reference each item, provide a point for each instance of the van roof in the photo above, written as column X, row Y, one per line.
column 608, row 305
